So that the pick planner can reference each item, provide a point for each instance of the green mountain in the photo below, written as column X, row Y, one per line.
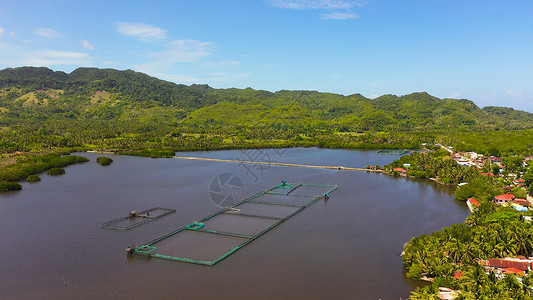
column 105, row 94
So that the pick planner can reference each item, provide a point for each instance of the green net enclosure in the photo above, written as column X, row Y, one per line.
column 134, row 218
column 218, row 235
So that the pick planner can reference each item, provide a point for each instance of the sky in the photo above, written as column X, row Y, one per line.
column 481, row 50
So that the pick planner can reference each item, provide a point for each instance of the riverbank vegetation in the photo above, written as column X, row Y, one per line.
column 437, row 165
column 104, row 161
column 29, row 165
column 56, row 171
column 33, row 178
column 452, row 257
column 6, row 186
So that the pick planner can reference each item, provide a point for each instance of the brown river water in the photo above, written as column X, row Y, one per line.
column 346, row 248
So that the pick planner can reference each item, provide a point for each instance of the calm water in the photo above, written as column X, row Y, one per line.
column 346, row 248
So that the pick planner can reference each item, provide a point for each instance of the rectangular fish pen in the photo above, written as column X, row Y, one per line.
column 215, row 237
column 135, row 219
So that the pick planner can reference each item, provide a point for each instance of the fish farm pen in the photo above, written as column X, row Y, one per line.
column 135, row 219
column 392, row 152
column 215, row 237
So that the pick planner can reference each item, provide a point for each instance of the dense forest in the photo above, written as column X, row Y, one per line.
column 125, row 110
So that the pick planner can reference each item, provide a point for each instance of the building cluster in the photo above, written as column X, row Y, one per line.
column 500, row 266
column 503, row 200
column 508, row 265
column 479, row 161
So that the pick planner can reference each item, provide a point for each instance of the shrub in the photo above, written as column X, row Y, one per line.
column 9, row 186
column 33, row 178
column 104, row 161
column 418, row 174
column 56, row 171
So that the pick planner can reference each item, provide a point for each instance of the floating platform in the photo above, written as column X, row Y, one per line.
column 215, row 237
column 135, row 219
column 392, row 152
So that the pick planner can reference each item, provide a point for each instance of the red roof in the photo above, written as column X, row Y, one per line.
column 398, row 169
column 504, row 197
column 502, row 263
column 474, row 202
column 522, row 202
column 457, row 274
column 488, row 174
column 513, row 271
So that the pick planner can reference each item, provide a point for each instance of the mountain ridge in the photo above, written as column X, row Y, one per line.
column 31, row 91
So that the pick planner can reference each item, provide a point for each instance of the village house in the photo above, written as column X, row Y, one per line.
column 488, row 174
column 519, row 182
column 472, row 204
column 447, row 293
column 522, row 202
column 503, row 198
column 509, row 265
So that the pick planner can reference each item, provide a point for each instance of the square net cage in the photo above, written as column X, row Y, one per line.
column 215, row 237
column 134, row 218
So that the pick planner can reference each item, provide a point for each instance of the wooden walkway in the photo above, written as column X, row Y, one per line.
column 278, row 164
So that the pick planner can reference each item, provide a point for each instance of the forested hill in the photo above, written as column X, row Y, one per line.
column 107, row 94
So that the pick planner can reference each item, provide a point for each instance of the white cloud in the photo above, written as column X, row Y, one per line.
column 143, row 32
column 178, row 51
column 184, row 51
column 339, row 16
column 52, row 57
column 47, row 32
column 315, row 4
column 87, row 45
column 1, row 31
column 514, row 94
column 455, row 95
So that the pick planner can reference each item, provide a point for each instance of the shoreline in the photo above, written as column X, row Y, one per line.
column 279, row 164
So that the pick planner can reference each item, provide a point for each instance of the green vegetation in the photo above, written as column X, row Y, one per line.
column 149, row 153
column 491, row 231
column 497, row 143
column 9, row 186
column 56, row 171
column 27, row 166
column 104, row 161
column 97, row 109
column 437, row 165
column 33, row 178
column 36, row 164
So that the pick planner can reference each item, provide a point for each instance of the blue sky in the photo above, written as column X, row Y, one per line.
column 473, row 49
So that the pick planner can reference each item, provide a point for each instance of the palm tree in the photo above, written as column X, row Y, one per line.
column 469, row 252
column 521, row 237
column 527, row 285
